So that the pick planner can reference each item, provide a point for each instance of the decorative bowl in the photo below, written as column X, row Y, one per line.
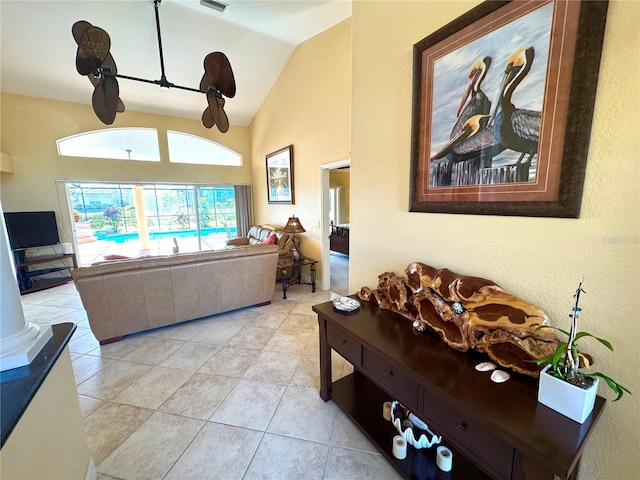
column 346, row 304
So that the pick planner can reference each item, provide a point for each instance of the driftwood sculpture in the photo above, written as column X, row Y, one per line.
column 468, row 312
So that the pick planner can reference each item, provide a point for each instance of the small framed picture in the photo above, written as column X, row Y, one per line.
column 280, row 176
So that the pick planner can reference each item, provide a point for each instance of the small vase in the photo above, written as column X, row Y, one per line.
column 565, row 398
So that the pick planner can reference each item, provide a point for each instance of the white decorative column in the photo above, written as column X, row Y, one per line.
column 141, row 217
column 20, row 341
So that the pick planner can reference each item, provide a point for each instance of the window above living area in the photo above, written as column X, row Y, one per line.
column 139, row 144
column 186, row 148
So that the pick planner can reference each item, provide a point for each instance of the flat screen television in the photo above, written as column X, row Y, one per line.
column 31, row 229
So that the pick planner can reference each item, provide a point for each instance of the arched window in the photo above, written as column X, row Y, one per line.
column 185, row 148
column 139, row 144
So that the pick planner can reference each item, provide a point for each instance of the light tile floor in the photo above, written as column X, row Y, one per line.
column 234, row 396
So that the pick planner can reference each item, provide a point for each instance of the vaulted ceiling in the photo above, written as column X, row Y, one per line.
column 38, row 50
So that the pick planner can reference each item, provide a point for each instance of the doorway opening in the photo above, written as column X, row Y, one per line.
column 335, row 226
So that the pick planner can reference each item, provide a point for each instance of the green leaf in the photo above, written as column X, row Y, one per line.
column 554, row 328
column 606, row 343
column 611, row 383
column 555, row 359
column 559, row 353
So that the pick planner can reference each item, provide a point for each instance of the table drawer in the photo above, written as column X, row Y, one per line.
column 392, row 378
column 486, row 449
column 346, row 345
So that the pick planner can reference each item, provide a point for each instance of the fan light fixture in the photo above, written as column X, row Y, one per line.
column 94, row 60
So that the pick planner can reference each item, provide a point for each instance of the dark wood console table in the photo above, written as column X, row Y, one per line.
column 494, row 430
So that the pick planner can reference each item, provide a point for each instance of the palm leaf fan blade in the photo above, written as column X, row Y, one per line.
column 223, row 120
column 212, row 100
column 110, row 63
column 218, row 70
column 106, row 100
column 93, row 49
column 95, row 81
column 207, row 118
column 205, row 83
column 78, row 29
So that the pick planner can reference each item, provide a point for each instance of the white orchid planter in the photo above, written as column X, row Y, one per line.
column 569, row 400
column 408, row 434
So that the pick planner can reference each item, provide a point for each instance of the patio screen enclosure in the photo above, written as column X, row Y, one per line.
column 195, row 217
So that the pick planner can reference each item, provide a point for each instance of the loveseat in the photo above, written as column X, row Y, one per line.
column 129, row 296
column 258, row 234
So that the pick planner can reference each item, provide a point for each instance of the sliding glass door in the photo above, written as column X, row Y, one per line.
column 127, row 220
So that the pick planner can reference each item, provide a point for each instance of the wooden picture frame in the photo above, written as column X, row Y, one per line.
column 280, row 176
column 467, row 157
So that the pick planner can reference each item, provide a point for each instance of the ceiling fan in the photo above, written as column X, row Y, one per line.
column 94, row 60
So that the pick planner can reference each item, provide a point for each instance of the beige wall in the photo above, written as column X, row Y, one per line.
column 541, row 259
column 31, row 126
column 309, row 108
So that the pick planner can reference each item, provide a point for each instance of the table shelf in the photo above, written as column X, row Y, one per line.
column 30, row 281
column 362, row 402
column 290, row 272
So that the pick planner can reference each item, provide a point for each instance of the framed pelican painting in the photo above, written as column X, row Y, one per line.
column 503, row 101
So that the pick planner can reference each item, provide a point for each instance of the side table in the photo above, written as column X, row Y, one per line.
column 290, row 272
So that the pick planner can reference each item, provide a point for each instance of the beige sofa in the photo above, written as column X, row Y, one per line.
column 129, row 296
column 259, row 233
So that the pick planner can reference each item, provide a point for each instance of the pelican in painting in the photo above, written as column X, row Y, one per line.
column 479, row 103
column 515, row 128
column 472, row 119
column 473, row 140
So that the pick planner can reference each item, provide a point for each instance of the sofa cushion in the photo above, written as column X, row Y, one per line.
column 271, row 239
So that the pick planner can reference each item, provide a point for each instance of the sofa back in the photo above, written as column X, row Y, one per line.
column 258, row 234
column 128, row 296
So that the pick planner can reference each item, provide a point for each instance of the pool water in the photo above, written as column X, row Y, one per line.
column 126, row 237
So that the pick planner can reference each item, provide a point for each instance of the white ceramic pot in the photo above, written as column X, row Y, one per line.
column 569, row 400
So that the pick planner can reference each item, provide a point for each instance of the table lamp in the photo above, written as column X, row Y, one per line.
column 294, row 226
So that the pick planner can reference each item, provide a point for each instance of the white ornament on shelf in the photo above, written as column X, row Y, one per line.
column 498, row 376
column 406, row 427
column 485, row 366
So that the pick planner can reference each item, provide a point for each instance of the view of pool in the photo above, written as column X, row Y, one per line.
column 133, row 236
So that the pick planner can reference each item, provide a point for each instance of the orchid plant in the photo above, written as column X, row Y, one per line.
column 566, row 360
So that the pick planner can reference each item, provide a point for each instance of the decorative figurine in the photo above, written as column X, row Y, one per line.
column 469, row 313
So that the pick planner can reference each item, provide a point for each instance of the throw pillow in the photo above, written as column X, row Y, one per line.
column 116, row 257
column 271, row 239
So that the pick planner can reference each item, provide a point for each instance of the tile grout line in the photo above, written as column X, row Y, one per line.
column 305, row 378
